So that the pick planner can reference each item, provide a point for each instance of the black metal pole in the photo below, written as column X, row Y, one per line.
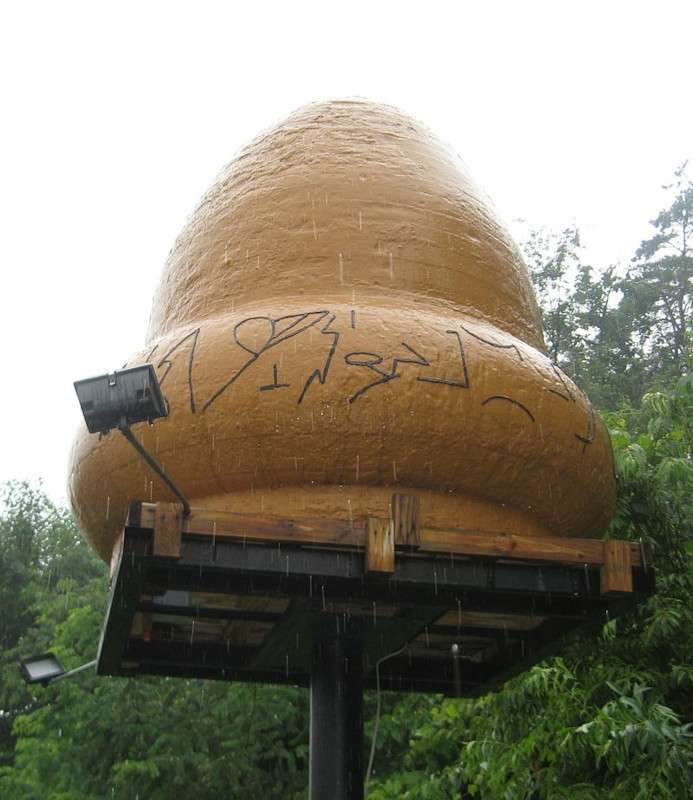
column 336, row 720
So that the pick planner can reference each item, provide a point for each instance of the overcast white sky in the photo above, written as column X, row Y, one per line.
column 117, row 116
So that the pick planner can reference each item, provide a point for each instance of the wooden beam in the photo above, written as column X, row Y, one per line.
column 353, row 533
column 481, row 619
column 167, row 529
column 404, row 511
column 263, row 527
column 617, row 573
column 561, row 549
column 380, row 546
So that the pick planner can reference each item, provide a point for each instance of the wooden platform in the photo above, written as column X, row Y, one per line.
column 244, row 597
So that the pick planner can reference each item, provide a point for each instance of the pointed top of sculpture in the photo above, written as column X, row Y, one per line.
column 346, row 200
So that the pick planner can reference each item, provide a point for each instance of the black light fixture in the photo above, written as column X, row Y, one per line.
column 46, row 668
column 122, row 398
column 125, row 397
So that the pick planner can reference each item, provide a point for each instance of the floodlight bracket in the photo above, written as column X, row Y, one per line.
column 124, row 428
column 75, row 671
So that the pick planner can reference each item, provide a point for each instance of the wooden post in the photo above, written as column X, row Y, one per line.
column 168, row 518
column 380, row 546
column 617, row 573
column 404, row 510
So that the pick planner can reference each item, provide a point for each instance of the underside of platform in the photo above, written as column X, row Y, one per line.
column 247, row 601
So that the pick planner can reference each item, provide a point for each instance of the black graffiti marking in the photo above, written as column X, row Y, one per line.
column 275, row 384
column 353, row 320
column 278, row 333
column 321, row 375
column 509, row 400
column 569, row 395
column 494, row 344
column 463, row 385
column 559, row 394
column 589, row 438
column 169, row 364
column 373, row 362
column 375, row 359
column 297, row 323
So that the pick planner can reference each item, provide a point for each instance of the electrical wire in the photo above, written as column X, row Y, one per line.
column 377, row 712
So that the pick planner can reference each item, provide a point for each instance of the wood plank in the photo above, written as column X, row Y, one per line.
column 263, row 527
column 380, row 546
column 505, row 545
column 141, row 626
column 617, row 573
column 481, row 619
column 352, row 533
column 168, row 518
column 404, row 511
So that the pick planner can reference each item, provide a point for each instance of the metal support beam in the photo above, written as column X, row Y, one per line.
column 336, row 720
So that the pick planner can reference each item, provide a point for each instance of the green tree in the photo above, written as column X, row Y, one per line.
column 619, row 336
column 657, row 289
column 585, row 332
column 554, row 260
column 40, row 549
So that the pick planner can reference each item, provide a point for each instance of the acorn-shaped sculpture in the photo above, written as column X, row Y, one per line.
column 344, row 317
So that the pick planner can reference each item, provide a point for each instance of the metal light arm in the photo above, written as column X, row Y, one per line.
column 154, row 464
column 75, row 671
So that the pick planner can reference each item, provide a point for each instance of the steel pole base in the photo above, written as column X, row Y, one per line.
column 336, row 720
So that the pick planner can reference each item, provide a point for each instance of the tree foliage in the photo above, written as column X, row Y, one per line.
column 619, row 333
column 657, row 292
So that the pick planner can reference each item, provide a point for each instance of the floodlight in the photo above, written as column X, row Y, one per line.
column 122, row 398
column 46, row 668
column 41, row 669
column 126, row 395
